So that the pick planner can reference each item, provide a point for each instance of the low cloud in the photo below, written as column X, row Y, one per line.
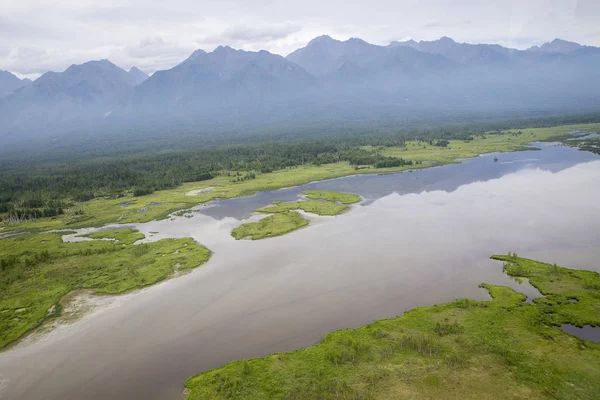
column 260, row 33
column 434, row 23
column 516, row 42
column 155, row 47
column 128, row 14
column 153, row 53
column 244, row 36
column 27, row 61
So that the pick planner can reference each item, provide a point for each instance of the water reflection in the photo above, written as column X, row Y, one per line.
column 254, row 298
column 554, row 157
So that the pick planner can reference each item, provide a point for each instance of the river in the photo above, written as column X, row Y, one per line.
column 419, row 238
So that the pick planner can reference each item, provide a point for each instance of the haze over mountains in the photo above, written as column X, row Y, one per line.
column 325, row 79
column 9, row 83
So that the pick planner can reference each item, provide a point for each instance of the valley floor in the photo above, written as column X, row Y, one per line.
column 464, row 349
column 40, row 269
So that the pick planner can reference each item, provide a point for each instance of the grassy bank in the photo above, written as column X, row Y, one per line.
column 501, row 349
column 39, row 269
column 132, row 209
column 458, row 149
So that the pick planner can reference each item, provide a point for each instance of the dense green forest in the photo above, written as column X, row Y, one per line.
column 41, row 185
column 40, row 190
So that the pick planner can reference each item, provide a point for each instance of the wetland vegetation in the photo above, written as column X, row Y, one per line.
column 274, row 225
column 309, row 206
column 285, row 218
column 336, row 197
column 502, row 348
column 39, row 269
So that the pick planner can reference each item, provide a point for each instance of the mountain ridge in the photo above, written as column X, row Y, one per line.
column 10, row 82
column 326, row 78
column 138, row 76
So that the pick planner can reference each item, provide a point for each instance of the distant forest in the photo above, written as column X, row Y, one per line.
column 44, row 184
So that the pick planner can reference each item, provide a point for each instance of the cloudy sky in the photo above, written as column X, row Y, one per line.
column 49, row 35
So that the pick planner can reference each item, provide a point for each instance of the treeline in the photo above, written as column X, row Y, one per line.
column 33, row 190
column 43, row 187
column 31, row 207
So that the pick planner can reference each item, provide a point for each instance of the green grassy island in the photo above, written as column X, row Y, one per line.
column 39, row 269
column 309, row 206
column 499, row 349
column 285, row 218
column 273, row 225
column 336, row 197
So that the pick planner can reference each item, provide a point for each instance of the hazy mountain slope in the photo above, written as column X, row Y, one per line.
column 356, row 71
column 556, row 46
column 222, row 78
column 137, row 76
column 79, row 94
column 9, row 83
column 460, row 52
column 324, row 55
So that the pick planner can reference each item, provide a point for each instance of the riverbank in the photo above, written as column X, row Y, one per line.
column 503, row 348
column 38, row 270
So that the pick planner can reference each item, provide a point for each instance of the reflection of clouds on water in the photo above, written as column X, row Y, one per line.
column 584, row 137
column 372, row 187
column 511, row 209
column 527, row 161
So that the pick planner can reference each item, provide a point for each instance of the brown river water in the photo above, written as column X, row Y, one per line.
column 418, row 239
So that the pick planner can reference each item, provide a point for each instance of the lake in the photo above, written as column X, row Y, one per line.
column 419, row 238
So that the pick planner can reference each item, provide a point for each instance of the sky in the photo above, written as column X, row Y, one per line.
column 37, row 36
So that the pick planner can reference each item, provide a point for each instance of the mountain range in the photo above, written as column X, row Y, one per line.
column 325, row 78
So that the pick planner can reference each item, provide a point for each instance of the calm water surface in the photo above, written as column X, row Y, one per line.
column 419, row 238
column 586, row 332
